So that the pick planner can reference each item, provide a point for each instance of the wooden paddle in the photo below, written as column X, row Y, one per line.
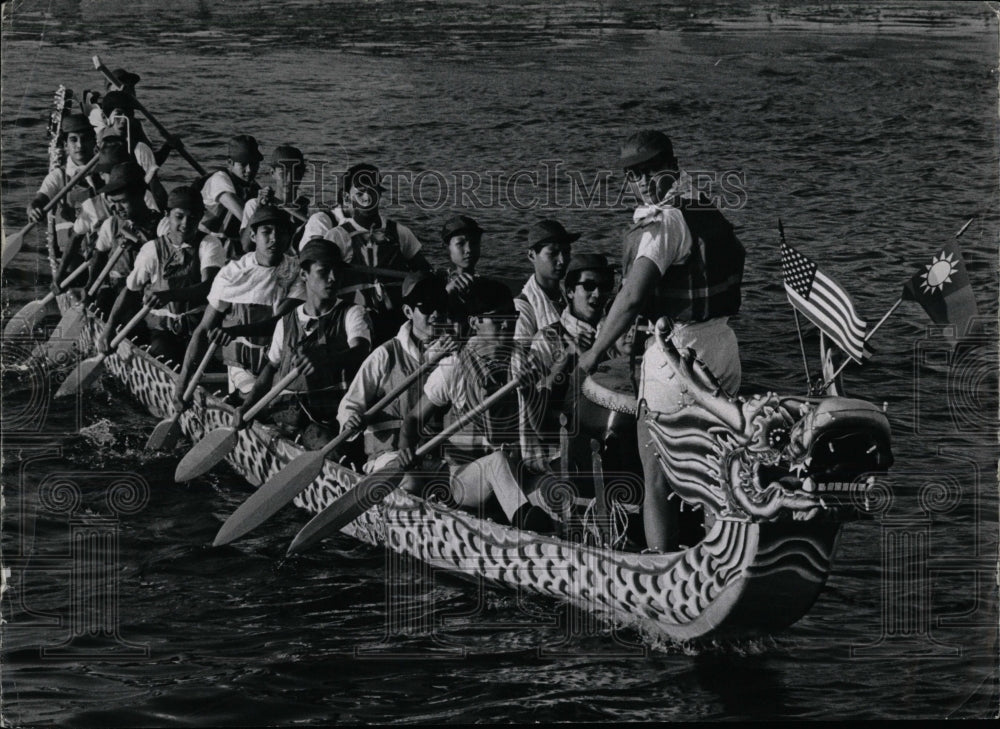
column 375, row 487
column 90, row 369
column 301, row 471
column 110, row 76
column 23, row 322
column 220, row 442
column 67, row 332
column 12, row 243
column 168, row 430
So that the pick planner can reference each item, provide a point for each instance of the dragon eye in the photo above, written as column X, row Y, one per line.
column 778, row 438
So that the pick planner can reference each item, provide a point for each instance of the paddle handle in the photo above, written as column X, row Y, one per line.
column 71, row 183
column 381, row 404
column 189, row 391
column 63, row 191
column 110, row 76
column 132, row 323
column 106, row 271
column 271, row 394
column 75, row 274
column 465, row 419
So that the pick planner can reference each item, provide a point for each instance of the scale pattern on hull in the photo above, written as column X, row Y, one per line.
column 696, row 592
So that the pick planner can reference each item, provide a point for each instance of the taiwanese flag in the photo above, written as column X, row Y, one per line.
column 943, row 289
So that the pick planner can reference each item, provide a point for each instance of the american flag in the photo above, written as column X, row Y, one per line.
column 825, row 304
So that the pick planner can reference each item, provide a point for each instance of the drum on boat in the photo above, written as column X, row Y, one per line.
column 607, row 412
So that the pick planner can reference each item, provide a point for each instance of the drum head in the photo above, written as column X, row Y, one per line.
column 611, row 387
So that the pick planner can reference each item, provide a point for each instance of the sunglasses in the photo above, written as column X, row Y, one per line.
column 591, row 286
column 431, row 307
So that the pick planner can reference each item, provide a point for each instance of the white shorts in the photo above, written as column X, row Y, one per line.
column 714, row 343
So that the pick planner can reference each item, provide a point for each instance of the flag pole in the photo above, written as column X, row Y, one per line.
column 802, row 348
column 798, row 328
column 827, row 383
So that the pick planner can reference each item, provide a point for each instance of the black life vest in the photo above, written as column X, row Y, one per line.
column 707, row 284
column 326, row 348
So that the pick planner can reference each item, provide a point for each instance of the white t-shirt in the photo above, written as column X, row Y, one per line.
column 356, row 322
column 146, row 270
column 409, row 246
column 441, row 385
column 248, row 210
column 57, row 179
column 319, row 223
column 215, row 187
column 244, row 281
column 666, row 243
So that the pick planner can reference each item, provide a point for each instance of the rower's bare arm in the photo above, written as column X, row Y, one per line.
column 125, row 307
column 626, row 307
column 211, row 320
column 232, row 204
column 260, row 387
column 197, row 293
column 97, row 262
column 422, row 413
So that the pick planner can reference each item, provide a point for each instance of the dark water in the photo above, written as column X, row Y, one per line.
column 870, row 131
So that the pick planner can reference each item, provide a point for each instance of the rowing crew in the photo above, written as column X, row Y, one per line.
column 319, row 313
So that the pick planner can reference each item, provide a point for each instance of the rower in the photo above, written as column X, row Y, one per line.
column 120, row 111
column 247, row 298
column 425, row 305
column 554, row 350
column 176, row 272
column 130, row 225
column 541, row 301
column 462, row 237
column 99, row 121
column 367, row 239
column 481, row 460
column 227, row 190
column 288, row 165
column 79, row 141
column 326, row 338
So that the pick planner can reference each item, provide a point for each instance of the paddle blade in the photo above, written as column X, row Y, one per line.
column 11, row 247
column 206, row 453
column 165, row 434
column 85, row 374
column 23, row 322
column 371, row 490
column 276, row 492
column 65, row 339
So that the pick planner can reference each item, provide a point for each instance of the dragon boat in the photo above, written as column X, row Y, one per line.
column 773, row 478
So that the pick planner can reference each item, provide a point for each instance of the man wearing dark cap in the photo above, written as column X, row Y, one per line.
column 541, row 301
column 554, row 352
column 131, row 224
column 120, row 111
column 326, row 338
column 462, row 237
column 481, row 460
column 288, row 165
column 425, row 305
column 248, row 296
column 366, row 239
column 683, row 262
column 227, row 190
column 175, row 271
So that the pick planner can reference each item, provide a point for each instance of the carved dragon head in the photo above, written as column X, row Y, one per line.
column 763, row 457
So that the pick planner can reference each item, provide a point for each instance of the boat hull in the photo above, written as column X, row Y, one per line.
column 743, row 579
